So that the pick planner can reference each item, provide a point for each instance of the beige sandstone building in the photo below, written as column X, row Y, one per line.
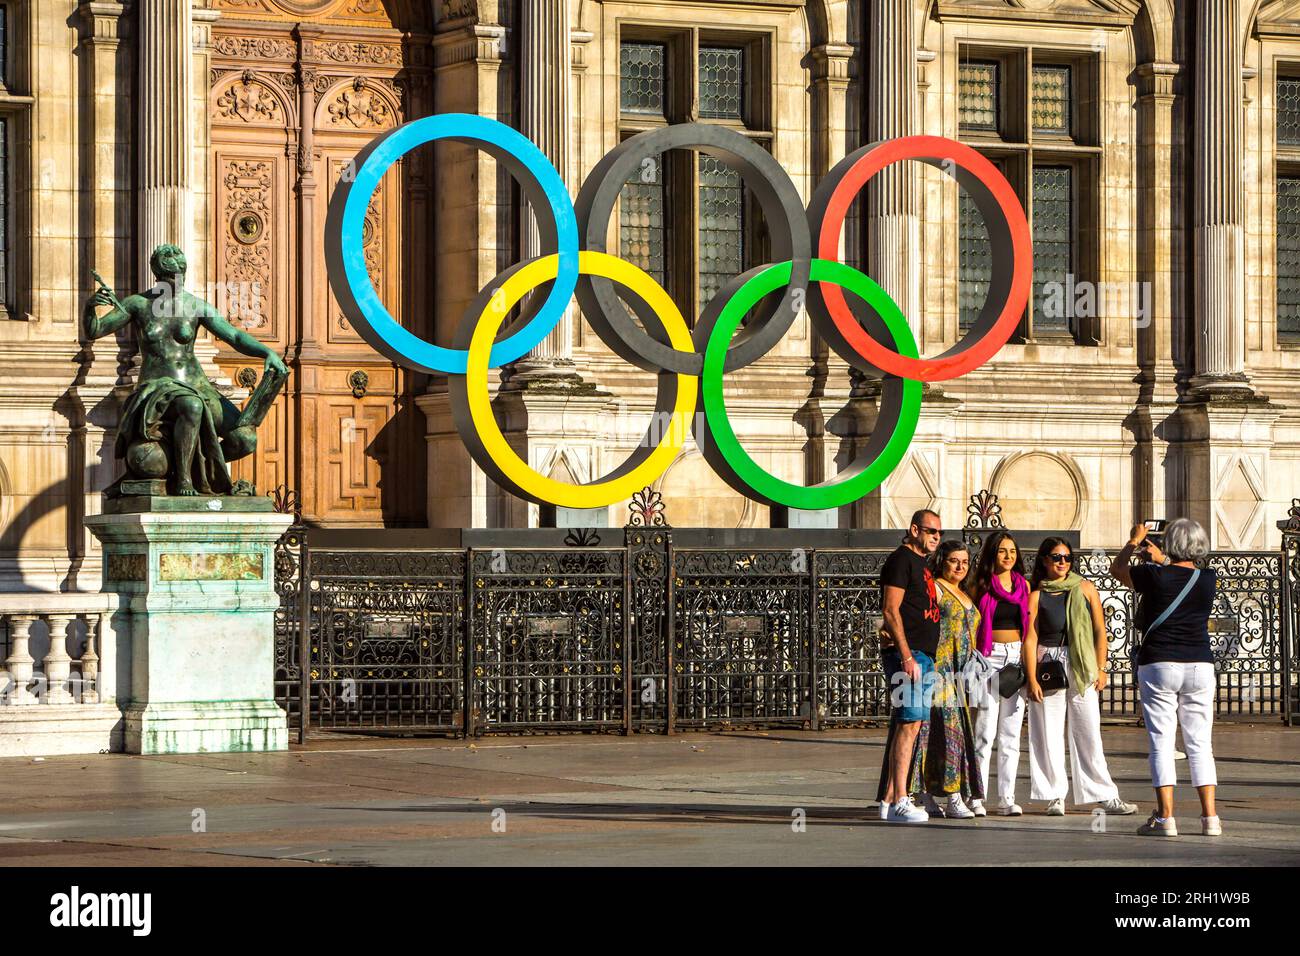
column 1155, row 145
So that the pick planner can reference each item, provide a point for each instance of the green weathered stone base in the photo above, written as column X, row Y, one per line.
column 223, row 726
column 161, row 503
column 197, row 599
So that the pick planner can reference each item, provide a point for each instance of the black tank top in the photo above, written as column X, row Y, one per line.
column 1051, row 619
column 1006, row 616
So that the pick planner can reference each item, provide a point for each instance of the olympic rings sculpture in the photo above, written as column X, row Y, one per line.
column 868, row 331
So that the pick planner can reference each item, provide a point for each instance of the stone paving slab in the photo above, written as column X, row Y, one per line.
column 707, row 799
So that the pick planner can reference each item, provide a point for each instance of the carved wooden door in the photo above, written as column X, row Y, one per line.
column 293, row 100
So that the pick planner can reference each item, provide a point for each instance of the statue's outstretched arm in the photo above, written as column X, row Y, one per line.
column 242, row 341
column 93, row 326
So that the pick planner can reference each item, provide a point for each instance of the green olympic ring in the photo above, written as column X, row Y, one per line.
column 900, row 400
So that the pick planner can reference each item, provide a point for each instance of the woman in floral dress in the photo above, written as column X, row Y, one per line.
column 944, row 765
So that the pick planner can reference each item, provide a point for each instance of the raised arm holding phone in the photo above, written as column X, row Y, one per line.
column 1175, row 661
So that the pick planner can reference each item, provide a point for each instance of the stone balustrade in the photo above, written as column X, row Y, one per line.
column 58, row 682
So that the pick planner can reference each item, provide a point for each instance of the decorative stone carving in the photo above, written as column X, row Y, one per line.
column 250, row 101
column 342, row 51
column 252, row 48
column 457, row 9
column 361, row 107
column 247, row 259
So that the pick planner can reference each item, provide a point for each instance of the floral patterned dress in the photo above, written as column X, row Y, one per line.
column 944, row 761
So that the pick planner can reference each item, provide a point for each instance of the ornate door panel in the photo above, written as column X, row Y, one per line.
column 292, row 104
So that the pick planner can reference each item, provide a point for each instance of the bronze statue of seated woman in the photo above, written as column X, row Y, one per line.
column 176, row 426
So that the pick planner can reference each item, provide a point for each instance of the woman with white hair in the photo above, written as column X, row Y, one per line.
column 1175, row 666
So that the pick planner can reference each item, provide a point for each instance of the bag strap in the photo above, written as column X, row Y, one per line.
column 1173, row 605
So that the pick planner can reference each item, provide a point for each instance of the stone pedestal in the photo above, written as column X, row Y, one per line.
column 195, row 579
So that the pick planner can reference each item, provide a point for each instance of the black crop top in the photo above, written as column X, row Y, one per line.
column 1006, row 616
column 1051, row 619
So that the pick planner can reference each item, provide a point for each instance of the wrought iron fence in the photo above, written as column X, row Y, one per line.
column 672, row 628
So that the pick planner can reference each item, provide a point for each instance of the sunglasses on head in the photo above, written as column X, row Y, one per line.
column 1059, row 558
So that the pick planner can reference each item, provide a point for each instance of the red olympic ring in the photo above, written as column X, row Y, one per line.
column 964, row 356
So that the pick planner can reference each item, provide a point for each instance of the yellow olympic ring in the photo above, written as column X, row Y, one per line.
column 621, row 486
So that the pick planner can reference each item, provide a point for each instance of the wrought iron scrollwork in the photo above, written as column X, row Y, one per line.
column 648, row 510
column 650, row 636
column 984, row 512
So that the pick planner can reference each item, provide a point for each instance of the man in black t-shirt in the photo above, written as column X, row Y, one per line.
column 911, row 611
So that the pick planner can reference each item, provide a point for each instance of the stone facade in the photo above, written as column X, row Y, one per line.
column 1195, row 411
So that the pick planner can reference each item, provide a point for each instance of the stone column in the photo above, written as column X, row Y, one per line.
column 543, row 58
column 893, row 202
column 1218, row 212
column 165, row 135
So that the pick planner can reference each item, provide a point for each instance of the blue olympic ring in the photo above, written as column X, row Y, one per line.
column 345, row 254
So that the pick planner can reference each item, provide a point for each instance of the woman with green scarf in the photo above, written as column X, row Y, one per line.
column 1067, row 627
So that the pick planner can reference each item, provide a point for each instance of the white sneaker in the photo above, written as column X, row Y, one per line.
column 904, row 811
column 1210, row 826
column 1056, row 808
column 884, row 810
column 931, row 807
column 1157, row 827
column 1008, row 808
column 977, row 808
column 1117, row 806
column 956, row 808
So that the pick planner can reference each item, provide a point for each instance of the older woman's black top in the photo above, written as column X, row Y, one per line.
column 1183, row 636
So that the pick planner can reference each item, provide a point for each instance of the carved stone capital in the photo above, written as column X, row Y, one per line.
column 103, row 23
column 476, row 42
column 1158, row 79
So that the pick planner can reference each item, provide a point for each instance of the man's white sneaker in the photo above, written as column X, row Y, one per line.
column 1008, row 808
column 977, row 808
column 1117, row 806
column 956, row 808
column 1056, row 808
column 1210, row 826
column 904, row 811
column 931, row 807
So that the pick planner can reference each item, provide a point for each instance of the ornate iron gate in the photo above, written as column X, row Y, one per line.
column 668, row 630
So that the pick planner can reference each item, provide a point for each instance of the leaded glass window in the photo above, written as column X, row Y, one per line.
column 1051, row 99
column 1288, row 112
column 721, row 234
column 4, row 44
column 975, row 261
column 4, row 212
column 1288, row 255
column 977, row 95
column 722, row 75
column 641, row 221
column 642, row 78
column 1053, row 244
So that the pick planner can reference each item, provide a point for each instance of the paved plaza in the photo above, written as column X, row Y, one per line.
column 715, row 798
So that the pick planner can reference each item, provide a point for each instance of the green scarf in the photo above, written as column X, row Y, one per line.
column 1078, row 620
